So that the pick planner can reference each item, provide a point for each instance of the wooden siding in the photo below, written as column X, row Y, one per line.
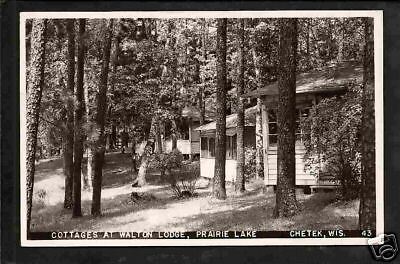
column 303, row 177
column 207, row 169
column 195, row 148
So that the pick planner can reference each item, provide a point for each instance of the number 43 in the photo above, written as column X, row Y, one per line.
column 366, row 233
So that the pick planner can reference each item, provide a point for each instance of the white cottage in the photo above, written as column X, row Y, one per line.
column 311, row 87
column 207, row 135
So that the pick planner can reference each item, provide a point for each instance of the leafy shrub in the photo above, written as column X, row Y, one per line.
column 40, row 198
column 167, row 161
column 332, row 140
column 136, row 198
column 250, row 163
column 183, row 181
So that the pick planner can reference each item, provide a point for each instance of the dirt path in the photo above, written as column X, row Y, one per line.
column 161, row 211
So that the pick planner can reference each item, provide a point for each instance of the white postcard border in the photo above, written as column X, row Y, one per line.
column 379, row 125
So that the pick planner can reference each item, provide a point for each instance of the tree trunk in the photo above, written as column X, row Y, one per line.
column 34, row 96
column 308, row 47
column 69, row 150
column 219, row 191
column 68, row 171
column 174, row 137
column 340, row 40
column 286, row 204
column 240, row 177
column 367, row 212
column 89, row 172
column 134, row 170
column 259, row 132
column 202, row 82
column 114, row 64
column 158, row 136
column 79, row 113
column 99, row 146
column 148, row 150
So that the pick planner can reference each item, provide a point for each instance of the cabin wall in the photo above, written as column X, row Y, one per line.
column 303, row 177
column 207, row 163
column 189, row 146
column 207, row 169
column 194, row 134
column 184, row 146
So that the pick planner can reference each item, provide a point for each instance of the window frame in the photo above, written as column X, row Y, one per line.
column 299, row 136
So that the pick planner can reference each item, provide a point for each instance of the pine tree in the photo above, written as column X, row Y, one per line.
column 286, row 204
column 69, row 137
column 34, row 97
column 240, row 177
column 100, row 142
column 367, row 212
column 259, row 134
column 219, row 191
column 78, row 126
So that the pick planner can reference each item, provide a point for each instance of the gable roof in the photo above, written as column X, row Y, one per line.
column 231, row 120
column 335, row 77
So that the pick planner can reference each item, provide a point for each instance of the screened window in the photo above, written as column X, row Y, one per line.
column 301, row 114
column 273, row 125
column 231, row 147
column 208, row 147
column 204, row 147
column 211, row 147
column 234, row 147
column 228, row 143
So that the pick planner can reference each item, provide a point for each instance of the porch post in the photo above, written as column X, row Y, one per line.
column 265, row 131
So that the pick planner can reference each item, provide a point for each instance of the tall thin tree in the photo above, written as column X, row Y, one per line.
column 69, row 137
column 367, row 211
column 286, row 204
column 148, row 150
column 34, row 97
column 202, row 81
column 259, row 134
column 240, row 179
column 100, row 142
column 219, row 191
column 79, row 115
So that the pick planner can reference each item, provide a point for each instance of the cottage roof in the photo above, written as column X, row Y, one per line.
column 231, row 120
column 194, row 113
column 335, row 77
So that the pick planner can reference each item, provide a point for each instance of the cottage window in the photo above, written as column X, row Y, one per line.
column 204, row 147
column 207, row 146
column 211, row 147
column 231, row 147
column 228, row 142
column 273, row 125
column 234, row 147
column 300, row 115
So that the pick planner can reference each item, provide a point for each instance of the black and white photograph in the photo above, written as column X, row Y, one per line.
column 201, row 128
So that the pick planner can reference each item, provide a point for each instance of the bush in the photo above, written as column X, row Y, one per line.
column 250, row 163
column 332, row 141
column 183, row 181
column 167, row 161
column 39, row 198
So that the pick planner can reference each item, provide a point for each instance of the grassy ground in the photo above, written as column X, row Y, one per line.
column 159, row 210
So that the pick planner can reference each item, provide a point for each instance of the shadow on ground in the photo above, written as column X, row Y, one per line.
column 159, row 210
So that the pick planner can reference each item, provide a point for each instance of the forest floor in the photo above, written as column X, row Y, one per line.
column 160, row 210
